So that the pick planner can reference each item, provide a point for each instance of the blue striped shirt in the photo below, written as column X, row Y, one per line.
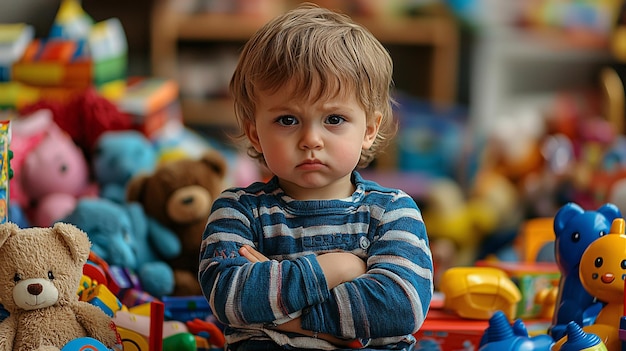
column 382, row 226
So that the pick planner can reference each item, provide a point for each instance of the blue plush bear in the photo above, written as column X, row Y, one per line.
column 122, row 235
column 575, row 229
column 117, row 157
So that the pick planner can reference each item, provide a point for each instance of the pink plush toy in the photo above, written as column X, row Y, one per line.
column 26, row 133
column 53, row 173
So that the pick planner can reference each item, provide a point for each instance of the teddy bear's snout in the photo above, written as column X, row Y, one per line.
column 189, row 204
column 35, row 293
column 35, row 289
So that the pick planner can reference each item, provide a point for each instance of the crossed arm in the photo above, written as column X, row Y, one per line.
column 338, row 267
column 328, row 293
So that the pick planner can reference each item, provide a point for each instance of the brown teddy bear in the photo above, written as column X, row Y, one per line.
column 40, row 273
column 179, row 194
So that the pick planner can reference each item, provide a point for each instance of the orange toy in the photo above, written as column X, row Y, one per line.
column 535, row 233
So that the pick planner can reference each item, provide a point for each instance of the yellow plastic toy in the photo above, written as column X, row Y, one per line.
column 478, row 292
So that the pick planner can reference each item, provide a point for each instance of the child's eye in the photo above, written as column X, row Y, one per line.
column 287, row 120
column 335, row 119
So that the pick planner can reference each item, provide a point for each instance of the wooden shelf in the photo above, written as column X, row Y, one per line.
column 218, row 112
column 218, row 27
column 225, row 27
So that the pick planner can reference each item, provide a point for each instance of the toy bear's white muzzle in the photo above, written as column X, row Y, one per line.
column 31, row 294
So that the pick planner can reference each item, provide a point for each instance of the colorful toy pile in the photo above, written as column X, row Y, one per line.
column 576, row 303
column 77, row 132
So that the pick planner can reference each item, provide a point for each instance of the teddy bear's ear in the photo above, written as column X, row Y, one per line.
column 75, row 239
column 216, row 161
column 6, row 230
column 135, row 187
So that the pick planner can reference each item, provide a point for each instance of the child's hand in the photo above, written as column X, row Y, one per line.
column 251, row 254
column 340, row 267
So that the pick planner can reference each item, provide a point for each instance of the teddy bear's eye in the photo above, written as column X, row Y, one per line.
column 17, row 277
column 50, row 275
column 575, row 237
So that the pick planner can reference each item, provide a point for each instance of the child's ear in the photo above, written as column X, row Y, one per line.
column 371, row 130
column 253, row 136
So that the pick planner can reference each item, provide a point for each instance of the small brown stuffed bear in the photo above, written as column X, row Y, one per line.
column 179, row 195
column 40, row 273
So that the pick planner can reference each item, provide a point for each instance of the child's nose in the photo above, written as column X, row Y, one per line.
column 311, row 138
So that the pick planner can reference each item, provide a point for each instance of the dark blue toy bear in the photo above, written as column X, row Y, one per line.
column 575, row 229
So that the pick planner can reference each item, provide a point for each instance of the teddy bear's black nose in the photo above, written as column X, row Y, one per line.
column 35, row 289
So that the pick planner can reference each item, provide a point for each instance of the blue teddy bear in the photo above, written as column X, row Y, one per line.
column 575, row 229
column 122, row 235
column 118, row 156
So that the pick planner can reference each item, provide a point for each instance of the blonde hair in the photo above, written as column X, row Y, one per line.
column 311, row 44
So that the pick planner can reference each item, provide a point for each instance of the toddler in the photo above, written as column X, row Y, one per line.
column 316, row 257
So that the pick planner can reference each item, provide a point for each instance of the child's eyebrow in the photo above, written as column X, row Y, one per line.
column 282, row 109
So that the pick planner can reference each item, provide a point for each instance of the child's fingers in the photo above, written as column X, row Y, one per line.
column 243, row 251
column 251, row 254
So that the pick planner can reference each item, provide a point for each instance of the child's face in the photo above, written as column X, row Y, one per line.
column 312, row 145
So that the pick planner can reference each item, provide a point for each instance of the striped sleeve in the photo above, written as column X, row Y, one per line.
column 398, row 281
column 241, row 293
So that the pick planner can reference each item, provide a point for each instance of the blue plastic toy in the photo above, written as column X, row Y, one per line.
column 502, row 336
column 85, row 344
column 186, row 308
column 578, row 340
column 575, row 229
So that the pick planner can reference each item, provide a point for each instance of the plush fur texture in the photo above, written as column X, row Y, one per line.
column 40, row 273
column 51, row 172
column 121, row 235
column 179, row 195
column 117, row 157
